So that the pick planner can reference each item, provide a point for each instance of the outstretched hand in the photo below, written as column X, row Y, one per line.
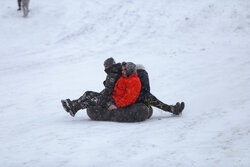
column 112, row 107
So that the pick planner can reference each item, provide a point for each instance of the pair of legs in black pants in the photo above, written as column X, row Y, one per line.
column 88, row 99
column 151, row 100
column 97, row 105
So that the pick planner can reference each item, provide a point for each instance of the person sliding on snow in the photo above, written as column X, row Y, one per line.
column 127, row 88
column 125, row 93
column 149, row 99
column 113, row 71
column 121, row 106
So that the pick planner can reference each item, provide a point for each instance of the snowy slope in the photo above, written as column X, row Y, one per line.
column 194, row 51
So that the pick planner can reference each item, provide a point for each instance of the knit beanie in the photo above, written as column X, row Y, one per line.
column 109, row 62
column 130, row 68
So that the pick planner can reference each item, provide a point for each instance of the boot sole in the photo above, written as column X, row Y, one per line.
column 70, row 111
column 65, row 106
column 182, row 107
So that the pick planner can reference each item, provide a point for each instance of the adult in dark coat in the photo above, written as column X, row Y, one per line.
column 149, row 99
column 113, row 71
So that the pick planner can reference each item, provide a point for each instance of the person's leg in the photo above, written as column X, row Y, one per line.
column 19, row 4
column 150, row 99
column 100, row 111
column 89, row 98
column 25, row 12
column 28, row 4
column 25, row 4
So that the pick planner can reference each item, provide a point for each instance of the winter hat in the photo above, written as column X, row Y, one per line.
column 130, row 68
column 109, row 62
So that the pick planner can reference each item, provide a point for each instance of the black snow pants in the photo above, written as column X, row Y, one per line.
column 151, row 100
column 90, row 98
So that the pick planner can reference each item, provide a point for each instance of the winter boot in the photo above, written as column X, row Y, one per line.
column 182, row 106
column 64, row 104
column 71, row 106
column 177, row 108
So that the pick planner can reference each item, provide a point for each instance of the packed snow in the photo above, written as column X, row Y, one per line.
column 194, row 51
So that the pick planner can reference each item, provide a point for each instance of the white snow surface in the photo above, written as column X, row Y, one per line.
column 194, row 51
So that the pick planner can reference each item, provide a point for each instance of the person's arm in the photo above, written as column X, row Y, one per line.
column 109, row 84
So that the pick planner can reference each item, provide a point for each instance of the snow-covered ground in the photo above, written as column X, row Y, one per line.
column 194, row 51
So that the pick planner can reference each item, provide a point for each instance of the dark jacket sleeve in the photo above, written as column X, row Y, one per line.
column 109, row 84
column 113, row 74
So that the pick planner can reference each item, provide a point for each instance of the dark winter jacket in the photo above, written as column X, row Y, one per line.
column 145, row 86
column 126, row 90
column 113, row 74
